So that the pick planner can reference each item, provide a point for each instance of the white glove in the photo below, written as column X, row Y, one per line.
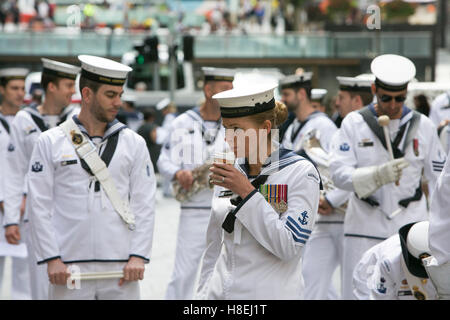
column 369, row 179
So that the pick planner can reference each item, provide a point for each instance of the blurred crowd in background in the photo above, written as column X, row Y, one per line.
column 206, row 17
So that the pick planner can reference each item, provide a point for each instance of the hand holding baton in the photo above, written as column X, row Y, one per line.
column 383, row 121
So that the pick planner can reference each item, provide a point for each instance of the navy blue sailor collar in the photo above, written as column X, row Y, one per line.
column 111, row 128
column 34, row 111
column 278, row 159
column 406, row 113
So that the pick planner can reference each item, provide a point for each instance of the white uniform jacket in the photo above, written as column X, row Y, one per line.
column 357, row 146
column 439, row 235
column 379, row 274
column 261, row 258
column 297, row 131
column 440, row 108
column 24, row 132
column 4, row 142
column 336, row 197
column 70, row 219
column 5, row 125
column 188, row 148
column 163, row 132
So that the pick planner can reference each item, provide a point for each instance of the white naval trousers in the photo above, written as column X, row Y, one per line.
column 354, row 248
column 38, row 273
column 191, row 243
column 20, row 284
column 323, row 254
column 107, row 289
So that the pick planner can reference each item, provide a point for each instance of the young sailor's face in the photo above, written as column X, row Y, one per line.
column 64, row 91
column 343, row 103
column 107, row 102
column 245, row 137
column 14, row 92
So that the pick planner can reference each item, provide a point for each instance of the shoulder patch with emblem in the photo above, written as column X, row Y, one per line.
column 37, row 167
column 344, row 147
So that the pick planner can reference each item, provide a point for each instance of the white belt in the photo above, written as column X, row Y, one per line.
column 87, row 151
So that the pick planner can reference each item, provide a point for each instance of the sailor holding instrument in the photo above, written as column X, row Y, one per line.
column 194, row 137
column 255, row 239
column 92, row 194
column 381, row 163
column 324, row 250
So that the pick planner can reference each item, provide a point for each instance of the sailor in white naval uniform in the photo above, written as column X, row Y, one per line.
column 439, row 238
column 318, row 99
column 440, row 115
column 92, row 193
column 325, row 247
column 194, row 137
column 361, row 163
column 12, row 90
column 393, row 269
column 440, row 110
column 255, row 238
column 307, row 118
column 58, row 81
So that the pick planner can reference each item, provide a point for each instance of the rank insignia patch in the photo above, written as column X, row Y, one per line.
column 275, row 195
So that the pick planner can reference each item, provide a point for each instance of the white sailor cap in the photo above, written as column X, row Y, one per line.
column 103, row 70
column 318, row 94
column 244, row 101
column 162, row 104
column 296, row 81
column 392, row 72
column 218, row 74
column 361, row 83
column 414, row 244
column 13, row 73
column 127, row 97
column 59, row 69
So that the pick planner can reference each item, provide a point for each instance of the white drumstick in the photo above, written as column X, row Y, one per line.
column 97, row 275
column 384, row 122
column 396, row 212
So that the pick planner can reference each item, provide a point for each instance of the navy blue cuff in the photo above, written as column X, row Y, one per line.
column 239, row 206
column 138, row 256
column 49, row 259
column 10, row 224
